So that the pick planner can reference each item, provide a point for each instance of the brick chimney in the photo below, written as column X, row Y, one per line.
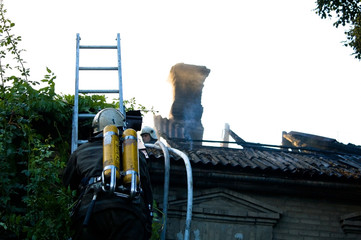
column 186, row 111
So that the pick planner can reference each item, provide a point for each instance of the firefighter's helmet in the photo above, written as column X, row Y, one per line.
column 150, row 131
column 107, row 116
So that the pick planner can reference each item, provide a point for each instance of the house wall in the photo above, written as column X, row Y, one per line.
column 306, row 216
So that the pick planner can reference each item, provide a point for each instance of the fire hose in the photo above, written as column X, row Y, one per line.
column 166, row 150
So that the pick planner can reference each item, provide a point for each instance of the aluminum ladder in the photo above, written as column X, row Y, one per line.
column 76, row 115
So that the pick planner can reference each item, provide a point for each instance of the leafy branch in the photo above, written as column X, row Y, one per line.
column 10, row 42
column 346, row 13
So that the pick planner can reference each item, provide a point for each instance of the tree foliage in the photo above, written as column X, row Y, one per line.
column 345, row 13
column 33, row 148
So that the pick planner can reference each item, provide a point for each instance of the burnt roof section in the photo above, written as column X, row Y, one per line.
column 276, row 160
column 305, row 140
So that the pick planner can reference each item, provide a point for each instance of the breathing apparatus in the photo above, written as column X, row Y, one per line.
column 121, row 174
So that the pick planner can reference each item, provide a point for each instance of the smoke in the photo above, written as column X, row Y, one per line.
column 192, row 121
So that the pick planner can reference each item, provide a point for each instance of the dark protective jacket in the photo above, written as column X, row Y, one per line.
column 87, row 162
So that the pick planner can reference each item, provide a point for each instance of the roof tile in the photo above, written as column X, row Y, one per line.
column 293, row 162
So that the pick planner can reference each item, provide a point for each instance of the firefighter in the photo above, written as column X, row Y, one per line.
column 99, row 214
column 148, row 135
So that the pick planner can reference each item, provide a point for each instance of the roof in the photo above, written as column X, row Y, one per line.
column 296, row 162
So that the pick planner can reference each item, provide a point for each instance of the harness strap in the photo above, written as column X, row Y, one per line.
column 90, row 208
column 94, row 180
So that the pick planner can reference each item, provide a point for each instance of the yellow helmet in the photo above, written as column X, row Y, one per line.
column 107, row 116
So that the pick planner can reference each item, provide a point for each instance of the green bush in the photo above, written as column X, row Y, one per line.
column 34, row 136
column 34, row 147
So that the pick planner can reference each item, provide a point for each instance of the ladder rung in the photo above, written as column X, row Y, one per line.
column 98, row 68
column 99, row 91
column 97, row 47
column 86, row 115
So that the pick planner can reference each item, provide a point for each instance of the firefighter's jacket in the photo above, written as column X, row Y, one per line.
column 87, row 162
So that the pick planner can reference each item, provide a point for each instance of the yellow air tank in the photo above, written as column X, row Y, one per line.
column 111, row 155
column 130, row 156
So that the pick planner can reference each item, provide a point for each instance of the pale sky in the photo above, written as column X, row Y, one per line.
column 275, row 65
